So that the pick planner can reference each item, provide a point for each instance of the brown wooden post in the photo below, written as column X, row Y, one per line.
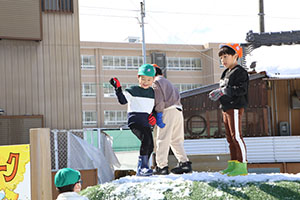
column 207, row 123
column 40, row 160
column 219, row 118
column 266, row 124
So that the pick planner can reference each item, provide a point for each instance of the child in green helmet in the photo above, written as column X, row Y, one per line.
column 68, row 183
column 140, row 101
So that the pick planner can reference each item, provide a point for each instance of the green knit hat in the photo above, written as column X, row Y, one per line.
column 146, row 70
column 66, row 176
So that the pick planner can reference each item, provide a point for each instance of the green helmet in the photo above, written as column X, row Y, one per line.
column 146, row 70
column 66, row 176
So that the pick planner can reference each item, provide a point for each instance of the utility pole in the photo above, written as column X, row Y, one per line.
column 143, row 32
column 261, row 15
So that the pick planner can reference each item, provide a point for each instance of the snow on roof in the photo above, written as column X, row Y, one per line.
column 283, row 76
column 278, row 61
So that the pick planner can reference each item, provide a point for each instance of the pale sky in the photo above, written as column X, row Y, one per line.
column 187, row 22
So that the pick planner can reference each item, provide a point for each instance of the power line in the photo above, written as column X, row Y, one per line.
column 201, row 53
column 184, row 13
column 107, row 8
column 102, row 15
column 165, row 12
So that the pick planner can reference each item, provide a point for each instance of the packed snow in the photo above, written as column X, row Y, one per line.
column 153, row 187
column 212, row 176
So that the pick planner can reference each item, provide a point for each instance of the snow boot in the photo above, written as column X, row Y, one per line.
column 240, row 169
column 181, row 168
column 230, row 167
column 143, row 167
column 161, row 171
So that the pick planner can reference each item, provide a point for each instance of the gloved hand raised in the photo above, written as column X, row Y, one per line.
column 115, row 83
column 217, row 94
column 152, row 120
column 159, row 120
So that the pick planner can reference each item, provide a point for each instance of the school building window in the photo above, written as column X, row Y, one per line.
column 187, row 86
column 88, row 62
column 89, row 118
column 115, row 117
column 57, row 6
column 177, row 63
column 109, row 90
column 88, row 89
column 123, row 62
column 220, row 64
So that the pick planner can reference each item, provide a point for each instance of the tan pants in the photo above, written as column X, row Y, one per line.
column 172, row 135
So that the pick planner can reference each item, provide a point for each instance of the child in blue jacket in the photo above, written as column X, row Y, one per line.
column 140, row 101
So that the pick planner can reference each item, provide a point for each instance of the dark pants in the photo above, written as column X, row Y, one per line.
column 144, row 134
column 233, row 124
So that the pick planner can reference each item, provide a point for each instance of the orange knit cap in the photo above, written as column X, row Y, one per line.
column 236, row 47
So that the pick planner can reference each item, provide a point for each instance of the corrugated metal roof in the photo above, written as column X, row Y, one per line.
column 259, row 149
column 287, row 148
column 206, row 146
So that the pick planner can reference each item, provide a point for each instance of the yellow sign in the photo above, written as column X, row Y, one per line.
column 14, row 172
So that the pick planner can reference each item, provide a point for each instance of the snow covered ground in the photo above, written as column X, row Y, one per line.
column 154, row 187
column 212, row 176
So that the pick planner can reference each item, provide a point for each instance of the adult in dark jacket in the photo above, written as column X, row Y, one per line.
column 233, row 96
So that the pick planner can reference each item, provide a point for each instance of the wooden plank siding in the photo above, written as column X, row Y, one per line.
column 43, row 78
column 196, row 104
column 279, row 99
column 269, row 104
column 295, row 113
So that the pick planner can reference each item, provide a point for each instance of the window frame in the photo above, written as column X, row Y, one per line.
column 187, row 86
column 111, row 91
column 89, row 94
column 91, row 65
column 89, row 122
column 122, row 62
column 184, row 64
column 60, row 6
column 112, row 116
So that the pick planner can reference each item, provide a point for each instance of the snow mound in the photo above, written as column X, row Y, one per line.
column 211, row 177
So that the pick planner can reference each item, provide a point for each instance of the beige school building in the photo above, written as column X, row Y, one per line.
column 186, row 66
column 47, row 73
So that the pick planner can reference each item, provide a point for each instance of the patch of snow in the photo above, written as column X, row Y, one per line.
column 154, row 187
column 211, row 177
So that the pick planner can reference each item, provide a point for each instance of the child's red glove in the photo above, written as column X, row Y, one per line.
column 115, row 82
column 152, row 120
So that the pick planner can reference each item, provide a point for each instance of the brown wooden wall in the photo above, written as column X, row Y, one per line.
column 269, row 104
column 43, row 78
column 203, row 117
column 284, row 167
column 280, row 100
